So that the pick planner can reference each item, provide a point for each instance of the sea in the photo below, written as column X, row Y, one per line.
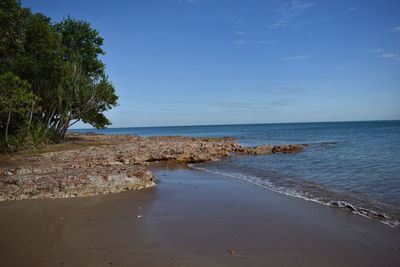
column 353, row 166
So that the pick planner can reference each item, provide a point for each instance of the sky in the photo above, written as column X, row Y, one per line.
column 201, row 62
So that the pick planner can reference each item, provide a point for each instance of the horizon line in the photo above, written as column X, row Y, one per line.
column 230, row 124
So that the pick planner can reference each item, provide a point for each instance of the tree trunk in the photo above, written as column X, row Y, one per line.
column 8, row 123
column 66, row 126
column 61, row 128
column 63, row 133
column 48, row 122
column 30, row 118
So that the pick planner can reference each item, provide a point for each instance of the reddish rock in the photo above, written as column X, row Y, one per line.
column 110, row 163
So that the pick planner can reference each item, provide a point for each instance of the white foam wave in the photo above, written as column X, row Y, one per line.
column 382, row 217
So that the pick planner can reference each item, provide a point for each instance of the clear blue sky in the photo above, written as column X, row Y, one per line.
column 187, row 62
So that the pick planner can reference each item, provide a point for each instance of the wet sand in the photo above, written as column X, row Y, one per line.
column 191, row 218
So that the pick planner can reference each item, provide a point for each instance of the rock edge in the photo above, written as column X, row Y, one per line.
column 110, row 164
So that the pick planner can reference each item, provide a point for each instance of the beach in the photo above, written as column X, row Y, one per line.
column 199, row 133
column 191, row 218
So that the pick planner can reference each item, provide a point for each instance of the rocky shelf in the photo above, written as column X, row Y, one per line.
column 90, row 164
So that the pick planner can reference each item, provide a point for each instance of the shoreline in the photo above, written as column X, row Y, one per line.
column 89, row 164
column 92, row 164
column 344, row 205
column 191, row 218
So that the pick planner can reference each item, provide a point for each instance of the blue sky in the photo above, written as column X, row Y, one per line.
column 189, row 62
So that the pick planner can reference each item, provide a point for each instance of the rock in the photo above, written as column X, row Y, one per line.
column 111, row 164
column 269, row 149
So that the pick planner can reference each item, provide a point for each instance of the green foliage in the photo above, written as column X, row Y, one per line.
column 38, row 134
column 41, row 61
column 50, row 77
column 11, row 32
column 16, row 142
column 78, row 38
column 15, row 96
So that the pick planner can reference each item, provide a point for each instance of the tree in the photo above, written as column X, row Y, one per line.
column 81, row 97
column 78, row 38
column 85, row 92
column 12, row 33
column 16, row 99
column 51, row 74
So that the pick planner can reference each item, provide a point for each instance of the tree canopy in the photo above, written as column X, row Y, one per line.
column 51, row 76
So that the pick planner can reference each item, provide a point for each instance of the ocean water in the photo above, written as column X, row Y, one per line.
column 356, row 169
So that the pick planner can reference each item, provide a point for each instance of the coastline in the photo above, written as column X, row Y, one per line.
column 92, row 164
column 191, row 218
column 194, row 133
column 89, row 164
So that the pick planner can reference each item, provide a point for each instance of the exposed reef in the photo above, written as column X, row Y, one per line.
column 90, row 164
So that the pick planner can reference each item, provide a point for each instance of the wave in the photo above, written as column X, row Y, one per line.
column 308, row 191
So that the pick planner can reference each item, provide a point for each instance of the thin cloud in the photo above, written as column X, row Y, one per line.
column 378, row 50
column 279, row 90
column 351, row 9
column 296, row 57
column 232, row 105
column 244, row 42
column 298, row 5
column 395, row 29
column 241, row 42
column 288, row 11
column 240, row 33
column 282, row 102
column 262, row 42
column 280, row 23
column 394, row 56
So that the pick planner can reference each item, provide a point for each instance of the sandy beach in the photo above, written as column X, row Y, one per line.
column 196, row 133
column 191, row 218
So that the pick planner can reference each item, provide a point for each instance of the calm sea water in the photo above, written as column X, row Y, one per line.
column 359, row 170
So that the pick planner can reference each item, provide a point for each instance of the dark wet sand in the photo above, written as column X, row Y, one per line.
column 192, row 218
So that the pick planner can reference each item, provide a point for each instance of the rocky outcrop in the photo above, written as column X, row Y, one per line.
column 269, row 149
column 98, row 164
column 75, row 182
